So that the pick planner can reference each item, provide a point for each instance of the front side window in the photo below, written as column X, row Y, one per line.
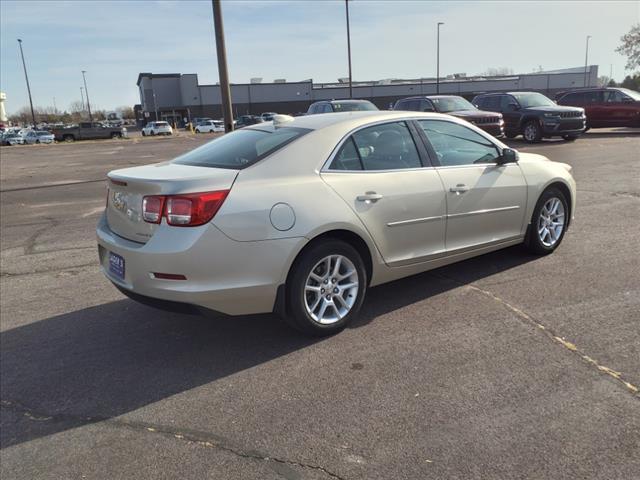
column 456, row 145
column 241, row 148
column 505, row 101
column 387, row 146
column 573, row 99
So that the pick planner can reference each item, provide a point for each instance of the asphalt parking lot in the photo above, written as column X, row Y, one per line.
column 506, row 366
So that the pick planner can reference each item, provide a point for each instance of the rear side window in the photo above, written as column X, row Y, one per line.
column 387, row 146
column 241, row 148
column 573, row 99
column 593, row 97
column 492, row 103
column 353, row 106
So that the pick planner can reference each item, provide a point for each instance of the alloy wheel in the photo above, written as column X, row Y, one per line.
column 331, row 289
column 551, row 222
column 530, row 132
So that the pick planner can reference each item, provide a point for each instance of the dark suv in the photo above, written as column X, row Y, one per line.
column 533, row 115
column 329, row 106
column 605, row 107
column 491, row 123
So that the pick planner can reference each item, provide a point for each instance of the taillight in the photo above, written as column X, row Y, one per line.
column 188, row 210
column 152, row 208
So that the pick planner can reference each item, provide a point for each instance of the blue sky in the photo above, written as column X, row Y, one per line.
column 115, row 40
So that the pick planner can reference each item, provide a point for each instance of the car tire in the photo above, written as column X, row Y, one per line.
column 197, row 130
column 152, row 133
column 532, row 132
column 570, row 138
column 115, row 135
column 313, row 311
column 144, row 134
column 69, row 138
column 37, row 141
column 538, row 241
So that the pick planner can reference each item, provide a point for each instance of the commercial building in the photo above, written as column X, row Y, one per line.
column 175, row 96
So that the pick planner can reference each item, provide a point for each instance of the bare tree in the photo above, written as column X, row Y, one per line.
column 497, row 72
column 630, row 47
column 126, row 111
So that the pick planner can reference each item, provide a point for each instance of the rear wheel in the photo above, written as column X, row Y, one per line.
column 326, row 288
column 152, row 133
column 37, row 141
column 116, row 135
column 548, row 223
column 532, row 132
column 69, row 138
column 197, row 130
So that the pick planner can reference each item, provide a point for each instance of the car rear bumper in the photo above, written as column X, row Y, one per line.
column 224, row 275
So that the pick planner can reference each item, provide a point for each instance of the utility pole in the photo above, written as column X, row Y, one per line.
column 87, row 93
column 586, row 57
column 221, row 51
column 438, row 60
column 26, row 77
column 82, row 97
column 346, row 4
column 55, row 109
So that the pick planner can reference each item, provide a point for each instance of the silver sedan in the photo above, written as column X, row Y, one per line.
column 300, row 216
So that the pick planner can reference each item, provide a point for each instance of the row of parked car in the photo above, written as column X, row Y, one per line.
column 530, row 114
column 26, row 137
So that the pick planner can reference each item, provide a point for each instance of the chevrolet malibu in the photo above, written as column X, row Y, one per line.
column 300, row 216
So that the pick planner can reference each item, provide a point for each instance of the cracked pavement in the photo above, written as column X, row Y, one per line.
column 503, row 366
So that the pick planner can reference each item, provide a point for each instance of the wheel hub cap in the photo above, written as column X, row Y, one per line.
column 551, row 222
column 331, row 289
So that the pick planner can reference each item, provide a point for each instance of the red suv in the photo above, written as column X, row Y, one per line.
column 605, row 107
column 490, row 122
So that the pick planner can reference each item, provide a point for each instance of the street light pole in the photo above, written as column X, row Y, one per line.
column 586, row 57
column 438, row 60
column 346, row 4
column 87, row 93
column 221, row 51
column 26, row 77
column 82, row 97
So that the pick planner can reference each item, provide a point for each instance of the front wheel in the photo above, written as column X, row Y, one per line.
column 548, row 223
column 152, row 133
column 570, row 138
column 326, row 288
column 532, row 132
column 197, row 131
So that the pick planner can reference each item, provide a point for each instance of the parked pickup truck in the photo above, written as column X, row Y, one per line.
column 88, row 131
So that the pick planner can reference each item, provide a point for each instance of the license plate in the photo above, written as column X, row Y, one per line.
column 116, row 265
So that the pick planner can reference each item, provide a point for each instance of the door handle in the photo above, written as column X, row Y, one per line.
column 459, row 188
column 369, row 197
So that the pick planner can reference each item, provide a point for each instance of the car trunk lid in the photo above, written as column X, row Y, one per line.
column 127, row 188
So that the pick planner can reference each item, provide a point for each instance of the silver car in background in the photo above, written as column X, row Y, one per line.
column 301, row 216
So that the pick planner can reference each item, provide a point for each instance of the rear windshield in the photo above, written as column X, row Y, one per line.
column 353, row 106
column 161, row 124
column 241, row 148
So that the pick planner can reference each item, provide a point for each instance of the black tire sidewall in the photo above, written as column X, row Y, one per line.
column 534, row 244
column 296, row 314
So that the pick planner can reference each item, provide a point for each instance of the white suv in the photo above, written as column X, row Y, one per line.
column 157, row 128
column 210, row 126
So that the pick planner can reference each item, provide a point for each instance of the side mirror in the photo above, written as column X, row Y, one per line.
column 509, row 155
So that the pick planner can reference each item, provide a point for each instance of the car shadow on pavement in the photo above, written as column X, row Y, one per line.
column 101, row 362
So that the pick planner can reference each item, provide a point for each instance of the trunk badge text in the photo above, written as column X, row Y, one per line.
column 120, row 203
